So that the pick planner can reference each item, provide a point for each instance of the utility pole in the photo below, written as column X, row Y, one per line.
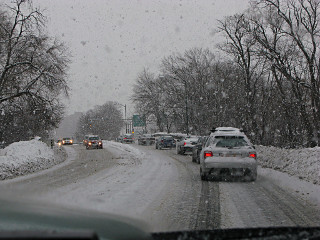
column 125, row 115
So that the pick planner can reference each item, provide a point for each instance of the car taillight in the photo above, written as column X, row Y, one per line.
column 125, row 138
column 185, row 143
column 253, row 155
column 208, row 154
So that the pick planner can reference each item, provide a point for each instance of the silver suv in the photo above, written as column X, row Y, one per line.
column 228, row 153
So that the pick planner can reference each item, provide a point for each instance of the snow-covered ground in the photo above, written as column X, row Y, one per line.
column 24, row 157
column 165, row 191
column 303, row 163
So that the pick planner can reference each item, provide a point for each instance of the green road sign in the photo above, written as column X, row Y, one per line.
column 137, row 121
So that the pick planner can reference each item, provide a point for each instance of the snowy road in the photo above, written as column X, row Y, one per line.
column 164, row 190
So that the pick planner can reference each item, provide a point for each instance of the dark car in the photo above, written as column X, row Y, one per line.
column 127, row 138
column 67, row 141
column 119, row 139
column 164, row 142
column 146, row 139
column 197, row 149
column 186, row 145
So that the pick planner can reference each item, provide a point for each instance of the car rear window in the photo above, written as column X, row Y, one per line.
column 168, row 138
column 230, row 141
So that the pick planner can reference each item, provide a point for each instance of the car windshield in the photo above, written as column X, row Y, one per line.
column 230, row 141
column 93, row 138
column 180, row 115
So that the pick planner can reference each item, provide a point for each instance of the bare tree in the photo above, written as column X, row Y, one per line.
column 240, row 45
column 32, row 68
column 105, row 121
column 288, row 37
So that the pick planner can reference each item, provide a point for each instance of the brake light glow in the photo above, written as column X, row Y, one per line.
column 253, row 155
column 185, row 143
column 208, row 154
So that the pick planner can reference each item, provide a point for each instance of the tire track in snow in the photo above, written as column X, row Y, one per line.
column 208, row 213
column 298, row 213
column 205, row 211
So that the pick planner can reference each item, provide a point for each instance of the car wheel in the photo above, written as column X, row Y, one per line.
column 253, row 176
column 178, row 150
column 203, row 176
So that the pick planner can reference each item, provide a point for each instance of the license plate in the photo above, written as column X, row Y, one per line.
column 230, row 155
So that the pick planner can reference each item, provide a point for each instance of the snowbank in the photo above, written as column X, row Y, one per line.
column 303, row 163
column 126, row 149
column 25, row 157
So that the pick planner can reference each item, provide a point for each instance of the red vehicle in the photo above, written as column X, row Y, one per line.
column 94, row 141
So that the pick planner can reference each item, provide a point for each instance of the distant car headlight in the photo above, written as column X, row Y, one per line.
column 71, row 141
column 89, row 143
column 63, row 142
column 59, row 143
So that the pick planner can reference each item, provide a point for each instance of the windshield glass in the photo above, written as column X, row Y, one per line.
column 102, row 103
column 93, row 138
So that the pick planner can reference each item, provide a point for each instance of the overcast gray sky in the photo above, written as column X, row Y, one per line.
column 112, row 41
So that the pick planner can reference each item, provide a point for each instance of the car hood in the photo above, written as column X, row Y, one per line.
column 26, row 215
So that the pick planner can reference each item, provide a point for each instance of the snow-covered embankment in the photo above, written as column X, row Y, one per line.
column 303, row 163
column 21, row 158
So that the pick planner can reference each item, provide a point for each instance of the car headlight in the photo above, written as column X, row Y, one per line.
column 90, row 143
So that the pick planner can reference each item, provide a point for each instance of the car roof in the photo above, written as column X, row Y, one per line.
column 227, row 131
